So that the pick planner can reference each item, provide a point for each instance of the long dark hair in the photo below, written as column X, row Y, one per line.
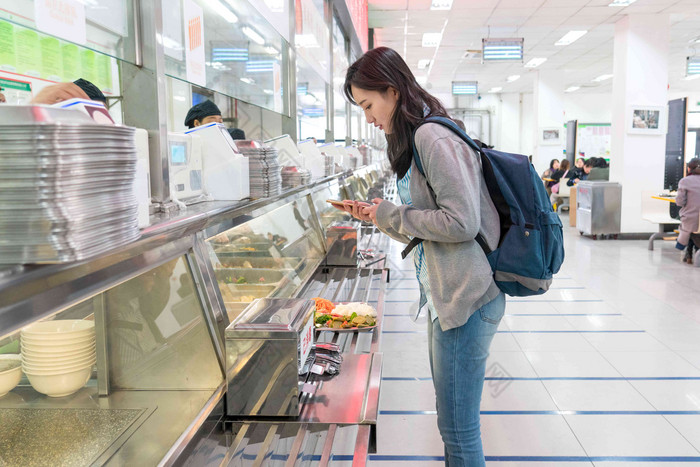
column 378, row 70
column 694, row 166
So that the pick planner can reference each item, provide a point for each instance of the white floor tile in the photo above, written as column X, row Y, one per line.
column 528, row 435
column 545, row 342
column 402, row 293
column 517, row 308
column 511, row 364
column 622, row 342
column 516, row 395
column 689, row 427
column 584, row 307
column 407, row 395
column 596, row 395
column 504, row 342
column 559, row 295
column 403, row 323
column 652, row 364
column 570, row 364
column 401, row 342
column 602, row 323
column 629, row 435
column 670, row 395
column 406, row 364
column 409, row 435
column 678, row 339
column 538, row 323
column 692, row 357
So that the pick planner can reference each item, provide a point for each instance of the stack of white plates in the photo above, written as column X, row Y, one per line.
column 293, row 177
column 57, row 356
column 66, row 185
column 265, row 177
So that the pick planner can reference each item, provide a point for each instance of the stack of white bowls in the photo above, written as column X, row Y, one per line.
column 57, row 356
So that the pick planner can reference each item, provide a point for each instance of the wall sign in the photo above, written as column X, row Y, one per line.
column 194, row 43
column 61, row 18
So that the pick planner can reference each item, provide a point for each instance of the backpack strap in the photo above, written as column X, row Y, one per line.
column 475, row 145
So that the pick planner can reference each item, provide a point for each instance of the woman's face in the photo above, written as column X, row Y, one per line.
column 579, row 163
column 555, row 165
column 378, row 107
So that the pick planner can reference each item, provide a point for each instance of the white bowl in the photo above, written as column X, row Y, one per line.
column 42, row 342
column 9, row 378
column 56, row 358
column 41, row 363
column 60, row 329
column 62, row 384
column 59, row 348
column 56, row 369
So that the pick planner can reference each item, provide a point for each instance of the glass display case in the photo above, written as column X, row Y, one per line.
column 267, row 256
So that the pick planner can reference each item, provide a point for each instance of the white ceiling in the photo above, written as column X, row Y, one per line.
column 400, row 24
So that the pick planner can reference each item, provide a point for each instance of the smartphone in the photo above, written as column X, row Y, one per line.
column 335, row 202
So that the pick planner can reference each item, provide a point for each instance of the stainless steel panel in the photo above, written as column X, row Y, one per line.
column 599, row 207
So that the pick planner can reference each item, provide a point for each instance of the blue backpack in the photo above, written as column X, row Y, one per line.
column 531, row 247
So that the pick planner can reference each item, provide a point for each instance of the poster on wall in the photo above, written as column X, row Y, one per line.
column 646, row 120
column 61, row 18
column 194, row 43
column 594, row 140
column 550, row 135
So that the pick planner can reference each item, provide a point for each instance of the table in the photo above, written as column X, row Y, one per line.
column 572, row 206
column 662, row 220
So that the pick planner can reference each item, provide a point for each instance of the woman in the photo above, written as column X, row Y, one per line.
column 688, row 198
column 447, row 208
column 563, row 172
column 547, row 175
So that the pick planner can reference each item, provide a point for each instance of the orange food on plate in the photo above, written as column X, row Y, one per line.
column 324, row 306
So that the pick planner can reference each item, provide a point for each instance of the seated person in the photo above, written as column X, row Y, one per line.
column 587, row 167
column 80, row 88
column 553, row 167
column 202, row 114
column 688, row 198
column 600, row 169
column 563, row 172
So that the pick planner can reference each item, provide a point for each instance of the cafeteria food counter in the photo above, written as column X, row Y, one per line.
column 160, row 306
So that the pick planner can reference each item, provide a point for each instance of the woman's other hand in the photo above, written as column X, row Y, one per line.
column 355, row 208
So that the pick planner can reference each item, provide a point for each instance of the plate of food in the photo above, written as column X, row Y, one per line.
column 344, row 317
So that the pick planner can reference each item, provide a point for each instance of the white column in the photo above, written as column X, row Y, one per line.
column 640, row 79
column 549, row 113
column 508, row 138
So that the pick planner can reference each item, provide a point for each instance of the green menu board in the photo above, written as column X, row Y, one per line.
column 51, row 62
column 104, row 72
column 27, row 52
column 88, row 70
column 71, row 64
column 8, row 60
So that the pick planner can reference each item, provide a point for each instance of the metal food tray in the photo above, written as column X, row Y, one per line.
column 252, row 276
column 260, row 262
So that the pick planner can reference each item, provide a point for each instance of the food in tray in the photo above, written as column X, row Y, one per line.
column 344, row 316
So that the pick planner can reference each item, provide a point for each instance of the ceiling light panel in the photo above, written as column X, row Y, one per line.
column 535, row 62
column 431, row 39
column 692, row 66
column 253, row 35
column 512, row 78
column 464, row 87
column 441, row 4
column 602, row 78
column 572, row 88
column 223, row 11
column 502, row 49
column 622, row 2
column 570, row 37
column 496, row 89
column 423, row 64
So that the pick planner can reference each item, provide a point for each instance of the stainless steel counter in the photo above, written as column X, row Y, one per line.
column 85, row 429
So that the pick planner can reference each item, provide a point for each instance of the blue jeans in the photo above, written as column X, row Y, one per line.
column 458, row 364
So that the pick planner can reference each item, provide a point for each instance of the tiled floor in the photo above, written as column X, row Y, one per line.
column 602, row 370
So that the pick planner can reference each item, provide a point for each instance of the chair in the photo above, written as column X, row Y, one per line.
column 656, row 212
column 564, row 194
